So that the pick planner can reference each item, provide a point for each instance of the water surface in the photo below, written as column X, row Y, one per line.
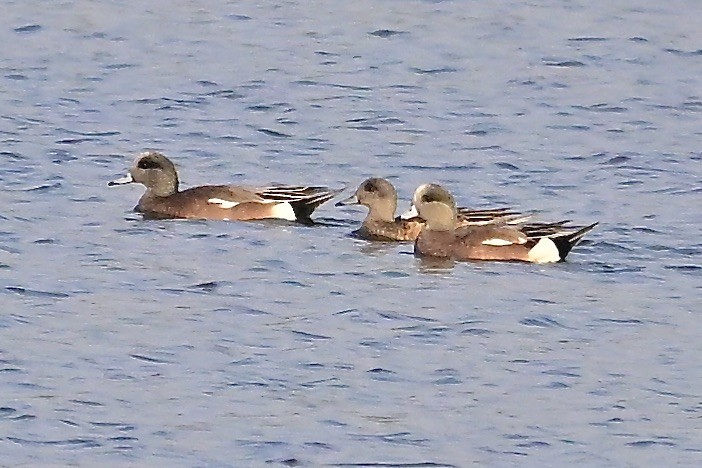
column 132, row 342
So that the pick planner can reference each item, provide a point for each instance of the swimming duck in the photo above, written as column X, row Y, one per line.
column 443, row 237
column 221, row 202
column 380, row 197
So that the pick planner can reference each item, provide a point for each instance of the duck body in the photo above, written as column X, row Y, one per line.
column 403, row 230
column 381, row 224
column 163, row 199
column 443, row 237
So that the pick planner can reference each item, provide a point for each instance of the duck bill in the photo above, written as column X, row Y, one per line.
column 352, row 200
column 128, row 179
column 411, row 213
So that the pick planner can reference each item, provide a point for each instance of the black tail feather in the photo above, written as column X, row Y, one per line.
column 304, row 207
column 564, row 243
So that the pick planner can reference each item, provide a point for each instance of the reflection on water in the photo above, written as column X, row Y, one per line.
column 435, row 264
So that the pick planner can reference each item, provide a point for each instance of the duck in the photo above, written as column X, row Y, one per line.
column 443, row 237
column 381, row 224
column 163, row 199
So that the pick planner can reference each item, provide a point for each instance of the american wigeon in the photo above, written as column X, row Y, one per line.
column 380, row 197
column 222, row 202
column 441, row 237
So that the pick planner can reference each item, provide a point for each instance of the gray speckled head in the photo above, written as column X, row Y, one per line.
column 378, row 195
column 436, row 206
column 156, row 172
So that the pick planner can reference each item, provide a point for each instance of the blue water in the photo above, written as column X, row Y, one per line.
column 140, row 343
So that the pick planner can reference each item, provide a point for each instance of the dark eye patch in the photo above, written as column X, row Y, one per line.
column 147, row 163
column 370, row 187
column 434, row 196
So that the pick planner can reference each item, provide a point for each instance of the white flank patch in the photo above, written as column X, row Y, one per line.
column 545, row 251
column 411, row 213
column 497, row 242
column 283, row 211
column 226, row 204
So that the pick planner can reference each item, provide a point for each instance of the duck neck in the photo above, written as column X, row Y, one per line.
column 383, row 211
column 164, row 188
column 439, row 217
column 442, row 225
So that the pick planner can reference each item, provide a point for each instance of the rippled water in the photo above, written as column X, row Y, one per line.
column 132, row 342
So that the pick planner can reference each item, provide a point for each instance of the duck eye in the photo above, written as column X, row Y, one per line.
column 370, row 187
column 434, row 197
column 147, row 164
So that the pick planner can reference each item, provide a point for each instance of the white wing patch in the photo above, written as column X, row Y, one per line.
column 497, row 242
column 281, row 210
column 225, row 204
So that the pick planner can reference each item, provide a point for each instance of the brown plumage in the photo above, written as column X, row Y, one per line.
column 443, row 237
column 381, row 224
column 380, row 197
column 221, row 202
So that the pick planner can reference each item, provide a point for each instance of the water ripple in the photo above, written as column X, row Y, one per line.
column 5, row 412
column 36, row 293
column 309, row 336
column 423, row 464
column 154, row 360
column 649, row 443
column 543, row 322
column 274, row 133
column 684, row 53
column 433, row 71
column 399, row 438
column 80, row 443
column 588, row 39
column 563, row 63
column 197, row 343
column 30, row 28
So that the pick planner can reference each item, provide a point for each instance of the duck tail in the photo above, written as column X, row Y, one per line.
column 303, row 199
column 564, row 243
